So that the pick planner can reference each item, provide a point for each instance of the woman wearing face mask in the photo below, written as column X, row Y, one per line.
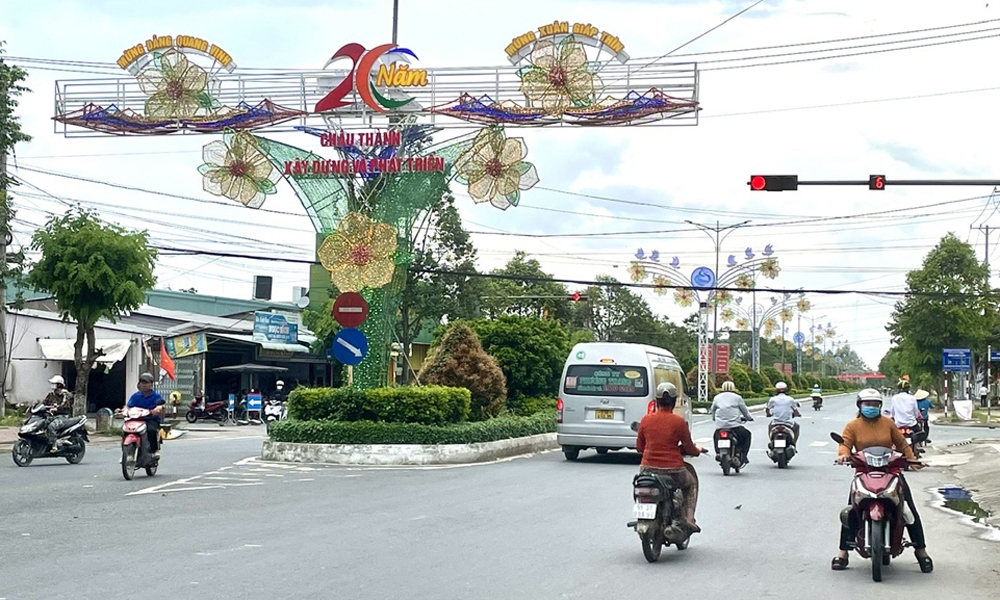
column 868, row 430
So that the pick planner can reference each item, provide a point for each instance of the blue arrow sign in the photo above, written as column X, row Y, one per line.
column 350, row 346
column 956, row 359
column 799, row 338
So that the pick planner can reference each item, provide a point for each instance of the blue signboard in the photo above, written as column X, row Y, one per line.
column 350, row 346
column 956, row 359
column 270, row 327
column 799, row 338
column 994, row 355
column 254, row 402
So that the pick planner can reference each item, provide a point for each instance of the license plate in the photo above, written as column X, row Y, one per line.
column 725, row 444
column 644, row 510
column 780, row 443
column 604, row 414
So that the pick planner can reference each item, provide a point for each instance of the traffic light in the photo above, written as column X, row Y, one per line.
column 773, row 183
column 876, row 182
column 577, row 296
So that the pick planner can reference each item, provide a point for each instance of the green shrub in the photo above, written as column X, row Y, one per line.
column 740, row 377
column 370, row 432
column 530, row 406
column 774, row 376
column 460, row 361
column 432, row 405
column 757, row 383
column 323, row 403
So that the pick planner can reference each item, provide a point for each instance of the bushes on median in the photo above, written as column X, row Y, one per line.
column 371, row 432
column 427, row 405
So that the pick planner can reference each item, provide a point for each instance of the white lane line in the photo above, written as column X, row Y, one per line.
column 306, row 479
column 819, row 444
column 702, row 440
column 231, row 479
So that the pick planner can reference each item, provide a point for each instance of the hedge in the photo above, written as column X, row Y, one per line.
column 370, row 432
column 428, row 405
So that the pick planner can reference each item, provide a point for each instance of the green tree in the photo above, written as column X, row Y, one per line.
column 531, row 352
column 961, row 313
column 739, row 374
column 93, row 270
column 11, row 268
column 616, row 314
column 523, row 288
column 459, row 360
column 891, row 364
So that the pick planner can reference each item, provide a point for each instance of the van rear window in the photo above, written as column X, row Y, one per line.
column 606, row 380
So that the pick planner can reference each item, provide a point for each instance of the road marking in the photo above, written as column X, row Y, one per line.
column 702, row 440
column 819, row 444
column 306, row 479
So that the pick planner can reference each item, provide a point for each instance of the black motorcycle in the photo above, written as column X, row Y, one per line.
column 728, row 452
column 781, row 448
column 71, row 437
column 817, row 402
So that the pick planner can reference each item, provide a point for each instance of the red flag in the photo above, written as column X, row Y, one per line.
column 166, row 363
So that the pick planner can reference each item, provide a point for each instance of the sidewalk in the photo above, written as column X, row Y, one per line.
column 976, row 466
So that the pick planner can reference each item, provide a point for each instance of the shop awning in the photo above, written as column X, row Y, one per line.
column 248, row 339
column 62, row 349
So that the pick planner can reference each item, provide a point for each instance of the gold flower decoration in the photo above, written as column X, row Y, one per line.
column 769, row 268
column 559, row 77
column 176, row 88
column 742, row 324
column 745, row 282
column 819, row 338
column 727, row 314
column 803, row 305
column 769, row 326
column 637, row 271
column 722, row 298
column 359, row 253
column 684, row 297
column 237, row 169
column 661, row 284
column 495, row 170
column 786, row 315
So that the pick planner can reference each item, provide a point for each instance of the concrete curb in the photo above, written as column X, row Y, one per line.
column 406, row 454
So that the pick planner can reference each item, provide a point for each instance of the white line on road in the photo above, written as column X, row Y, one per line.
column 819, row 444
column 702, row 440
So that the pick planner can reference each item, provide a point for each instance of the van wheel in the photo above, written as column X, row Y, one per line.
column 602, row 450
column 572, row 453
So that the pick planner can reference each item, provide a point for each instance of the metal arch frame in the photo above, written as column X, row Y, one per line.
column 756, row 323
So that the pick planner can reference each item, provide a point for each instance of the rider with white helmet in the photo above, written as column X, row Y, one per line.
column 730, row 411
column 783, row 409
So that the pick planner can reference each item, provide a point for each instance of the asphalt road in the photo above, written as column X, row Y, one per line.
column 216, row 524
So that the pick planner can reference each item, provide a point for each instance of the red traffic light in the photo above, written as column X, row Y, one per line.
column 757, row 183
column 576, row 296
column 773, row 183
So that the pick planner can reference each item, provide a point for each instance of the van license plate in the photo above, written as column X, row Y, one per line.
column 644, row 510
column 780, row 443
column 604, row 414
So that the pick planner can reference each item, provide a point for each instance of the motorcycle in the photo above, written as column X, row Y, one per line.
column 217, row 411
column 71, row 437
column 781, row 448
column 878, row 511
column 817, row 402
column 909, row 433
column 136, row 453
column 728, row 452
column 274, row 410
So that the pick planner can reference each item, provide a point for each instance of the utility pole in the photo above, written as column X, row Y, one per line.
column 989, row 277
column 5, row 234
column 395, row 19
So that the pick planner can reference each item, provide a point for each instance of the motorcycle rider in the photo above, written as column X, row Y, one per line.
column 60, row 403
column 872, row 428
column 903, row 407
column 151, row 400
column 729, row 410
column 783, row 409
column 925, row 410
column 279, row 391
column 663, row 440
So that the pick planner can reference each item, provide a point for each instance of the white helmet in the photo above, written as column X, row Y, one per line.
column 781, row 386
column 58, row 380
column 280, row 383
column 728, row 386
column 666, row 389
column 869, row 395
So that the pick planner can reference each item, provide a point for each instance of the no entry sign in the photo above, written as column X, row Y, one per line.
column 350, row 309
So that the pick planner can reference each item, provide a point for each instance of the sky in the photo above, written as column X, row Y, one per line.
column 921, row 113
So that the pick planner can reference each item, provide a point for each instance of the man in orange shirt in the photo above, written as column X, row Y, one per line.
column 663, row 440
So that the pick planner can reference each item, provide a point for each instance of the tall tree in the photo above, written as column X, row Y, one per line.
column 93, row 270
column 10, row 135
column 525, row 290
column 615, row 313
column 961, row 313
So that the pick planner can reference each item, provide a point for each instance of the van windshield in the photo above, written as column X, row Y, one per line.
column 606, row 380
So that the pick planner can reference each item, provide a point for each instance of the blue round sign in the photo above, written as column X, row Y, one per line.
column 350, row 346
column 703, row 277
column 799, row 338
column 838, row 359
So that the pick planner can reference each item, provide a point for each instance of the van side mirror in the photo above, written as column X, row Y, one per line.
column 836, row 437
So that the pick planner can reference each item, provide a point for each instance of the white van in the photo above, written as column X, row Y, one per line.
column 605, row 388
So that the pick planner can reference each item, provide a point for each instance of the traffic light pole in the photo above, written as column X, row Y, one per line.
column 788, row 183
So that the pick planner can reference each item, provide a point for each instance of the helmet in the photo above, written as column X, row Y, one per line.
column 666, row 389
column 147, row 377
column 869, row 395
column 728, row 386
column 904, row 384
column 58, row 380
column 279, row 383
column 780, row 386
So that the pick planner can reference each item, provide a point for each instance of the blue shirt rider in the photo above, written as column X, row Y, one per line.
column 151, row 400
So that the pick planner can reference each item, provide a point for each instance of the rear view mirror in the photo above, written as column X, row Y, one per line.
column 635, row 425
column 836, row 437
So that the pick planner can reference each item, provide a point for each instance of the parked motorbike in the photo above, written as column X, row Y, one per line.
column 728, row 452
column 136, row 452
column 71, row 437
column 217, row 411
column 878, row 511
column 781, row 448
column 274, row 410
column 817, row 402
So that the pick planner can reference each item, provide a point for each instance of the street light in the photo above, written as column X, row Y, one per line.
column 758, row 317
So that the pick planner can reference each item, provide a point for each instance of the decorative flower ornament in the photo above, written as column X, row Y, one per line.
column 803, row 305
column 661, row 284
column 559, row 77
column 684, row 298
column 745, row 282
column 742, row 324
column 237, row 169
column 637, row 271
column 727, row 314
column 769, row 268
column 769, row 326
column 494, row 168
column 359, row 253
column 819, row 338
column 176, row 87
column 786, row 315
column 722, row 298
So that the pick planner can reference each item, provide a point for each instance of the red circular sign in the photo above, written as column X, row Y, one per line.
column 350, row 309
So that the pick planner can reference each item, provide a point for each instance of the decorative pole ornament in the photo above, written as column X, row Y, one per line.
column 359, row 254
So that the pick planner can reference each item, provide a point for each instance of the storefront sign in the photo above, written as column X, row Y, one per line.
column 586, row 34
column 359, row 79
column 269, row 327
column 186, row 345
column 136, row 58
column 332, row 168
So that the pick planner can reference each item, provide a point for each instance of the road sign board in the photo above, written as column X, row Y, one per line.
column 270, row 327
column 350, row 346
column 722, row 358
column 350, row 309
column 799, row 338
column 956, row 359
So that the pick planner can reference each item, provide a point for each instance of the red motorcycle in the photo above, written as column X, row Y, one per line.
column 136, row 453
column 878, row 511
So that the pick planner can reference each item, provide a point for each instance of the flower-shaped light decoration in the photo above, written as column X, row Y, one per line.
column 684, row 298
column 359, row 253
column 237, row 169
column 495, row 170
column 637, row 271
column 789, row 345
column 722, row 298
column 661, row 284
column 742, row 324
column 786, row 315
column 559, row 77
column 727, row 314
column 769, row 268
column 745, row 282
column 819, row 338
column 803, row 305
column 176, row 88
column 830, row 332
column 768, row 328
